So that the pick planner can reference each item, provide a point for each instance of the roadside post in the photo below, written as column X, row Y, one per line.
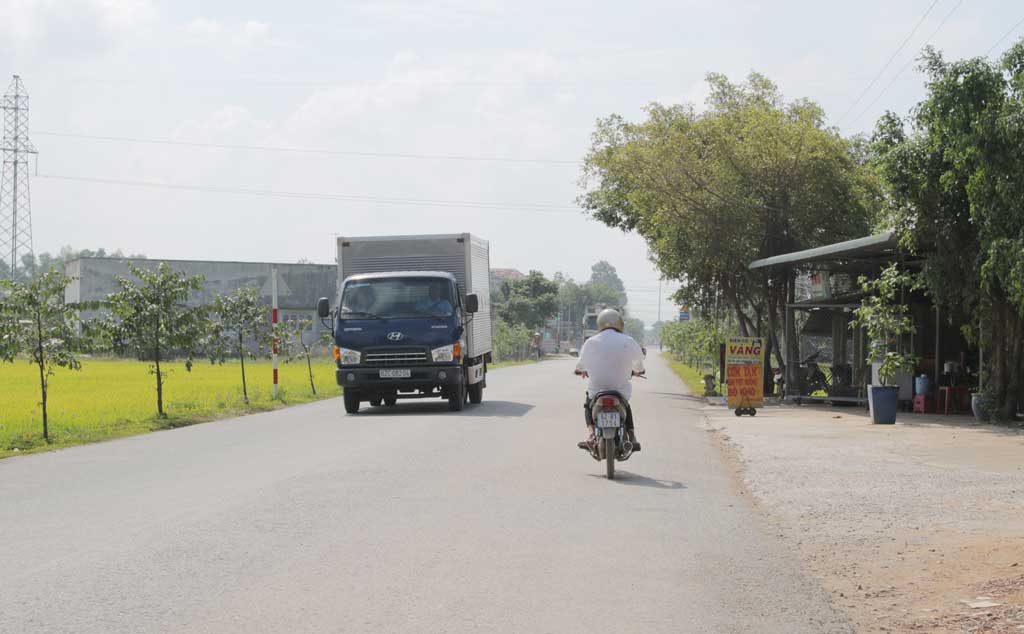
column 273, row 323
column 744, row 368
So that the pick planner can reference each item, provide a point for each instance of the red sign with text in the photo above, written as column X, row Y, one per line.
column 744, row 371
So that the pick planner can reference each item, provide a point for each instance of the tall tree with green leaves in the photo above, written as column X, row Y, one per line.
column 604, row 275
column 35, row 319
column 750, row 176
column 574, row 299
column 150, row 317
column 240, row 314
column 529, row 301
column 955, row 190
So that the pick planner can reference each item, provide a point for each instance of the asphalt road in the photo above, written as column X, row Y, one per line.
column 416, row 520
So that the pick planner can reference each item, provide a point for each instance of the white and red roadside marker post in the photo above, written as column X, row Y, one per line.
column 273, row 323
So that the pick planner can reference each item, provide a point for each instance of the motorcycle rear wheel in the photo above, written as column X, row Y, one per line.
column 609, row 457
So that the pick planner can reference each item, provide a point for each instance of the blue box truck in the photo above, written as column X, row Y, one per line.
column 413, row 319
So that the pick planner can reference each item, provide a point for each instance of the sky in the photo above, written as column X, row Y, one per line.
column 401, row 107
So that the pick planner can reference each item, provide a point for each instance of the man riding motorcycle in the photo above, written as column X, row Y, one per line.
column 609, row 360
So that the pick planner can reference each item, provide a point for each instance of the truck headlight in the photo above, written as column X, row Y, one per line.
column 445, row 353
column 346, row 356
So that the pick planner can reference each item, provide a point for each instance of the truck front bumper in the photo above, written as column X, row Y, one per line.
column 421, row 378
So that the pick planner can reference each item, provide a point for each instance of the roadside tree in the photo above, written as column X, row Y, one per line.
column 529, row 301
column 296, row 339
column 750, row 176
column 511, row 341
column 603, row 275
column 239, row 314
column 574, row 299
column 151, row 319
column 954, row 181
column 35, row 320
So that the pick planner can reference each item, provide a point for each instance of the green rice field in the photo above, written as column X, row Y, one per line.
column 110, row 398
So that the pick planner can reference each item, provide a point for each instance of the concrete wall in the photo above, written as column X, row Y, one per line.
column 298, row 285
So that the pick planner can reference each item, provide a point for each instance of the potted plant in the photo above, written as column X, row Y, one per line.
column 981, row 401
column 885, row 320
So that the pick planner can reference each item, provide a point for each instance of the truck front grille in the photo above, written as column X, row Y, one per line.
column 395, row 356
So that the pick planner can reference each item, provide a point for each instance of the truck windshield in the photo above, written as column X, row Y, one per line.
column 392, row 298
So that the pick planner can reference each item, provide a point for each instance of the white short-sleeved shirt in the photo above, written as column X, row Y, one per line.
column 610, row 358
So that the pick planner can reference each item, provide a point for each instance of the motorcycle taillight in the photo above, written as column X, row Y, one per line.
column 609, row 402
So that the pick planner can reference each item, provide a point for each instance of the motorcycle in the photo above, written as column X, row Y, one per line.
column 611, row 443
column 813, row 378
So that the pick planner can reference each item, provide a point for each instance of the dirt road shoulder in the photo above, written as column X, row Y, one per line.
column 908, row 526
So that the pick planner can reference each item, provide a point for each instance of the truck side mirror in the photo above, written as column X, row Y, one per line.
column 323, row 308
column 472, row 303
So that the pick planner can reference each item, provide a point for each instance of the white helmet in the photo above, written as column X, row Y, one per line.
column 610, row 318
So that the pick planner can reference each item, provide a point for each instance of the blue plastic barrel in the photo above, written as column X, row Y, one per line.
column 922, row 384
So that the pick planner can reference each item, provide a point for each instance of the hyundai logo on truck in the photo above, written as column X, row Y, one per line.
column 395, row 336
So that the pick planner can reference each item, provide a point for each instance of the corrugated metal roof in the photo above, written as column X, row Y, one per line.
column 871, row 246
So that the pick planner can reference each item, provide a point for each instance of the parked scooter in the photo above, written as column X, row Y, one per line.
column 813, row 379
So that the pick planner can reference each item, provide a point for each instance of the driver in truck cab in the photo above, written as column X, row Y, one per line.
column 359, row 300
column 609, row 360
column 435, row 304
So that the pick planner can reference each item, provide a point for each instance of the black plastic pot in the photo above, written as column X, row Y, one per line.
column 883, row 401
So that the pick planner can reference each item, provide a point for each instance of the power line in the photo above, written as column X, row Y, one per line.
column 339, row 82
column 319, row 151
column 907, row 65
column 462, row 204
column 1005, row 35
column 879, row 75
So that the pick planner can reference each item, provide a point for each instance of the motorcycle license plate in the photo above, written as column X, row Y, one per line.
column 395, row 374
column 607, row 419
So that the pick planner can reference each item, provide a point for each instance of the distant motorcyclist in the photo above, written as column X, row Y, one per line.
column 609, row 360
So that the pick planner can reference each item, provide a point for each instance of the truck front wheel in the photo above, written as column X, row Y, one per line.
column 457, row 398
column 351, row 401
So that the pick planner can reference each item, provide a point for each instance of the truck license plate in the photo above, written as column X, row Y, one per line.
column 607, row 419
column 395, row 374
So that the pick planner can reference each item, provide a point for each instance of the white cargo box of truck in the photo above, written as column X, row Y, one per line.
column 464, row 255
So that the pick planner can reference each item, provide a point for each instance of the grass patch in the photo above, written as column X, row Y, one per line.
column 692, row 377
column 509, row 364
column 112, row 398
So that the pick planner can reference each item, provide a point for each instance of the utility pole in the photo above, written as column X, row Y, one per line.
column 273, row 323
column 558, row 330
column 15, row 203
column 659, row 299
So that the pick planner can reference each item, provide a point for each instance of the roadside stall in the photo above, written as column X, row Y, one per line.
column 826, row 359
